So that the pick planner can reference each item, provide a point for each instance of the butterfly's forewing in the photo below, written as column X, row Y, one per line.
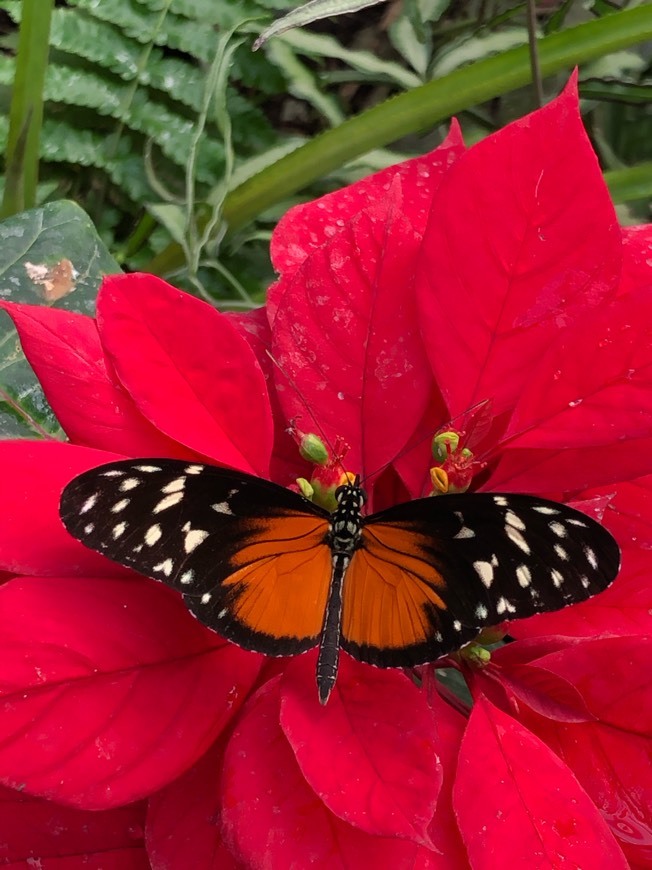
column 249, row 557
column 431, row 573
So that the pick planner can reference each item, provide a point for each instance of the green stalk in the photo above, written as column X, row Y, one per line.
column 26, row 111
column 420, row 109
column 631, row 184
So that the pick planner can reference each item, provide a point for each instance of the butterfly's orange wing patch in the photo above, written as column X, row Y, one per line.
column 394, row 613
column 279, row 585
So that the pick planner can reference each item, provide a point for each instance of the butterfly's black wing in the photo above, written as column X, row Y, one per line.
column 431, row 573
column 250, row 558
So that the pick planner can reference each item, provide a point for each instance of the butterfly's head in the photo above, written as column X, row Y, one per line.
column 350, row 493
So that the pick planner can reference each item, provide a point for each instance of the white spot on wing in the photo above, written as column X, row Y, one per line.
column 194, row 469
column 118, row 530
column 557, row 577
column 129, row 483
column 457, row 625
column 503, row 605
column 523, row 576
column 147, row 468
column 194, row 537
column 187, row 578
column 591, row 557
column 206, row 597
column 485, row 572
column 481, row 612
column 558, row 529
column 579, row 523
column 153, row 534
column 464, row 532
column 514, row 521
column 559, row 550
column 500, row 500
column 517, row 538
column 165, row 567
column 168, row 502
column 88, row 504
column 120, row 505
column 113, row 473
column 89, row 528
column 222, row 508
column 547, row 511
column 174, row 485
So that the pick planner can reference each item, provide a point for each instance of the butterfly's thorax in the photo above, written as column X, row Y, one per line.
column 346, row 522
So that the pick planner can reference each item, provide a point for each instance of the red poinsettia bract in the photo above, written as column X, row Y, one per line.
column 494, row 279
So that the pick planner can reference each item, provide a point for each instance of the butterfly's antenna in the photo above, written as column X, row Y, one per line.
column 474, row 423
column 333, row 448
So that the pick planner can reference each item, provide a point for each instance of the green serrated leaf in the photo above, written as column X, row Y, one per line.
column 54, row 256
column 314, row 10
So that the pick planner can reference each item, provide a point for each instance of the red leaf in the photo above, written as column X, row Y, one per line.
column 594, row 384
column 94, row 410
column 637, row 259
column 32, row 537
column 271, row 816
column 371, row 752
column 188, row 369
column 110, row 689
column 613, row 676
column 625, row 608
column 308, row 226
column 522, row 240
column 613, row 766
column 346, row 335
column 518, row 805
column 183, row 820
column 46, row 835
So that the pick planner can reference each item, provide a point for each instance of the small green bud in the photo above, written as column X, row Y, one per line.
column 314, row 450
column 476, row 655
column 443, row 444
column 305, row 487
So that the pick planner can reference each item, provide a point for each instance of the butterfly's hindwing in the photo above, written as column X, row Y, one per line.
column 249, row 557
column 433, row 572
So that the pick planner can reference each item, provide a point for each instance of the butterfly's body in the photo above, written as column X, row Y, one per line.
column 277, row 574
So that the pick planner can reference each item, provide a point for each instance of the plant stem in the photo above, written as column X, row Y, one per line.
column 26, row 111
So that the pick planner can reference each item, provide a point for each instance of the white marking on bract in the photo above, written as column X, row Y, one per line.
column 113, row 473
column 464, row 532
column 206, row 597
column 485, row 572
column 481, row 611
column 523, row 576
column 129, row 483
column 500, row 500
column 591, row 557
column 187, row 578
column 118, row 530
column 153, row 534
column 194, row 469
column 559, row 550
column 174, row 485
column 168, row 502
column 89, row 528
column 457, row 625
column 193, row 539
column 514, row 521
column 88, row 504
column 558, row 529
column 503, row 605
column 222, row 508
column 165, row 567
column 147, row 468
column 579, row 523
column 517, row 538
column 120, row 505
column 585, row 582
column 557, row 577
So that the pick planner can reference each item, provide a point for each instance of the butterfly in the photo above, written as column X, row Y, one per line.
column 279, row 575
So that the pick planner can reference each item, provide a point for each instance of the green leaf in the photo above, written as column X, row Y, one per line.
column 34, row 243
column 314, row 10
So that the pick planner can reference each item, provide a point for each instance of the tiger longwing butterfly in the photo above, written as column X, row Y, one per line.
column 279, row 575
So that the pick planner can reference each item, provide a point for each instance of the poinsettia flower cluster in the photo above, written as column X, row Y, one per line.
column 490, row 278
